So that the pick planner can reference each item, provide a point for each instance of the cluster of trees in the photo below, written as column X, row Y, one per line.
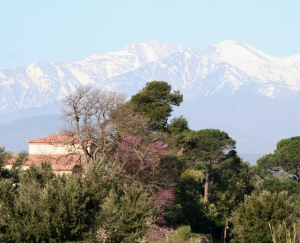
column 144, row 176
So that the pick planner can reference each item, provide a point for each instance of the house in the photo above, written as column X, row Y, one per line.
column 61, row 150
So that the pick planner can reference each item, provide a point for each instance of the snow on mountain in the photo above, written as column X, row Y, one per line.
column 42, row 83
column 275, row 75
column 226, row 68
column 222, row 69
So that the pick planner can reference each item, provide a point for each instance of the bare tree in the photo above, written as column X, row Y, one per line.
column 129, row 122
column 87, row 116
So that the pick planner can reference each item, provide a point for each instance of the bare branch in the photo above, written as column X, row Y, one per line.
column 87, row 116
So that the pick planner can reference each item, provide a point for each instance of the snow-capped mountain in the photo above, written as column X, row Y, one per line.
column 42, row 83
column 231, row 86
column 221, row 69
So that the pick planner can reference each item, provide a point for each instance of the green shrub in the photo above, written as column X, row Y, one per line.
column 182, row 235
column 281, row 234
column 124, row 216
column 252, row 218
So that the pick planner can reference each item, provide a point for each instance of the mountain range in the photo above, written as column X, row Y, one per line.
column 231, row 86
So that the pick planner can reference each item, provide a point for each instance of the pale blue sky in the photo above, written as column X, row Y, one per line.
column 63, row 30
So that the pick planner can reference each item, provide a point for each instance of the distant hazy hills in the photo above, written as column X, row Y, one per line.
column 231, row 86
column 14, row 135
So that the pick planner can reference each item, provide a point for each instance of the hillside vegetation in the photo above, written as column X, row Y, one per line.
column 149, row 180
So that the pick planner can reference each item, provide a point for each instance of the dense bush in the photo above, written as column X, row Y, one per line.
column 252, row 218
column 124, row 216
column 43, row 207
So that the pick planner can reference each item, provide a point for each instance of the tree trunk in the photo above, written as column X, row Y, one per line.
column 298, row 173
column 225, row 230
column 207, row 181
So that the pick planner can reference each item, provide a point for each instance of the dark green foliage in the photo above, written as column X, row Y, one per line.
column 182, row 234
column 190, row 206
column 171, row 167
column 21, row 158
column 4, row 156
column 275, row 185
column 155, row 100
column 286, row 155
column 205, row 148
column 178, row 125
column 16, row 169
column 97, row 182
column 263, row 166
column 200, row 146
column 40, row 175
column 228, row 177
column 231, row 180
column 251, row 219
column 292, row 187
column 124, row 215
column 7, row 200
column 266, row 161
column 44, row 207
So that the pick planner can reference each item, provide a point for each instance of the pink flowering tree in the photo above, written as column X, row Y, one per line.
column 162, row 199
column 149, row 165
column 141, row 162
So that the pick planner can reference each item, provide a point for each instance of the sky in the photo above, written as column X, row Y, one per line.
column 66, row 30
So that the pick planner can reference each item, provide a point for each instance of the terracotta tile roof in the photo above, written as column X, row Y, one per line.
column 11, row 160
column 59, row 162
column 58, row 138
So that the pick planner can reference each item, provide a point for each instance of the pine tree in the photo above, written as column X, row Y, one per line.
column 155, row 101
